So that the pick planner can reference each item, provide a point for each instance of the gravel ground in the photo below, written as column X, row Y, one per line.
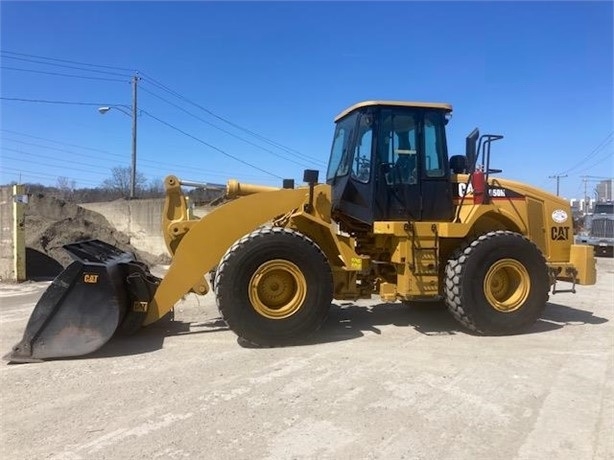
column 378, row 382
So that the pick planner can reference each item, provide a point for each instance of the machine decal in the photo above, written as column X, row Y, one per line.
column 559, row 233
column 140, row 307
column 356, row 263
column 90, row 278
column 494, row 192
column 559, row 216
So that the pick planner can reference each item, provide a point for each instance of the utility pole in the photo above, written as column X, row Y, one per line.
column 557, row 177
column 131, row 112
column 586, row 198
column 135, row 80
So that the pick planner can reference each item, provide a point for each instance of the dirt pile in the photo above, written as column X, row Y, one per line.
column 51, row 223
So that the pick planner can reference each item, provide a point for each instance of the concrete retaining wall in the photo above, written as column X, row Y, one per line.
column 12, row 243
column 140, row 219
column 6, row 233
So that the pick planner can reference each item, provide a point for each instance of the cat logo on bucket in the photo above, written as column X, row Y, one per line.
column 90, row 278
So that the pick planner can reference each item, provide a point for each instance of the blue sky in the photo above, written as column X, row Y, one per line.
column 540, row 73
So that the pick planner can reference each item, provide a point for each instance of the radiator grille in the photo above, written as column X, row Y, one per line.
column 602, row 228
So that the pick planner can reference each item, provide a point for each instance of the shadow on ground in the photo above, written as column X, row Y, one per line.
column 346, row 321
column 349, row 321
column 557, row 316
column 151, row 338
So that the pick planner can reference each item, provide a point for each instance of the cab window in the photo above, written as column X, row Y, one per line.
column 434, row 145
column 397, row 149
column 361, row 164
column 339, row 163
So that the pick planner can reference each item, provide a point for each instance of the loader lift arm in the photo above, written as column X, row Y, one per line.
column 204, row 241
column 198, row 245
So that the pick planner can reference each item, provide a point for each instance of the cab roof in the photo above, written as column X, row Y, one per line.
column 428, row 105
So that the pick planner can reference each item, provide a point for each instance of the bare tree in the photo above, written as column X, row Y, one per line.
column 120, row 181
column 156, row 187
column 66, row 188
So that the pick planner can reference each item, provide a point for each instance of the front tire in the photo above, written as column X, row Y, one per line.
column 498, row 284
column 274, row 286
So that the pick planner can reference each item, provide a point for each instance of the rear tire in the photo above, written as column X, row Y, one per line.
column 498, row 284
column 273, row 287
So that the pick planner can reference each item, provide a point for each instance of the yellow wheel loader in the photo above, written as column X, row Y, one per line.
column 396, row 217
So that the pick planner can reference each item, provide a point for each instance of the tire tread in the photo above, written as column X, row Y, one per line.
column 455, row 272
column 229, row 259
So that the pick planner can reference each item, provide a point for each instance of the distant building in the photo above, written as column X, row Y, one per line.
column 604, row 190
column 575, row 205
column 582, row 205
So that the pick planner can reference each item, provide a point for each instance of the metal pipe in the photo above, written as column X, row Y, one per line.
column 205, row 185
column 234, row 188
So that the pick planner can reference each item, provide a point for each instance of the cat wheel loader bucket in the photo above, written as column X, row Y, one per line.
column 104, row 291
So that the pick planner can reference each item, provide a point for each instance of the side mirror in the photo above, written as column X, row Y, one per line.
column 471, row 143
column 310, row 176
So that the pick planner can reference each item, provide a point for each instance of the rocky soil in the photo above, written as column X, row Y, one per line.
column 52, row 223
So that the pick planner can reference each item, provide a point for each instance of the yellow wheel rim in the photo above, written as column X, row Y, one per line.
column 507, row 285
column 277, row 289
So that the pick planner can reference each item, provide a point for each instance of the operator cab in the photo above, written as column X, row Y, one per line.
column 389, row 161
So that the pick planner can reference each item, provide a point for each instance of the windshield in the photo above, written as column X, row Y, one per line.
column 604, row 208
column 339, row 163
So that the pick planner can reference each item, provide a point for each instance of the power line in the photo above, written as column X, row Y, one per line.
column 212, row 146
column 609, row 156
column 48, row 157
column 69, row 61
column 171, row 166
column 43, row 101
column 224, row 130
column 32, row 144
column 57, row 74
column 63, row 165
column 596, row 178
column 160, row 121
column 45, row 176
column 34, row 61
column 163, row 87
column 225, row 120
column 54, row 141
column 595, row 151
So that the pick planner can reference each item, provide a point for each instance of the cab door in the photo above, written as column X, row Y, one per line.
column 397, row 187
column 436, row 188
column 412, row 171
